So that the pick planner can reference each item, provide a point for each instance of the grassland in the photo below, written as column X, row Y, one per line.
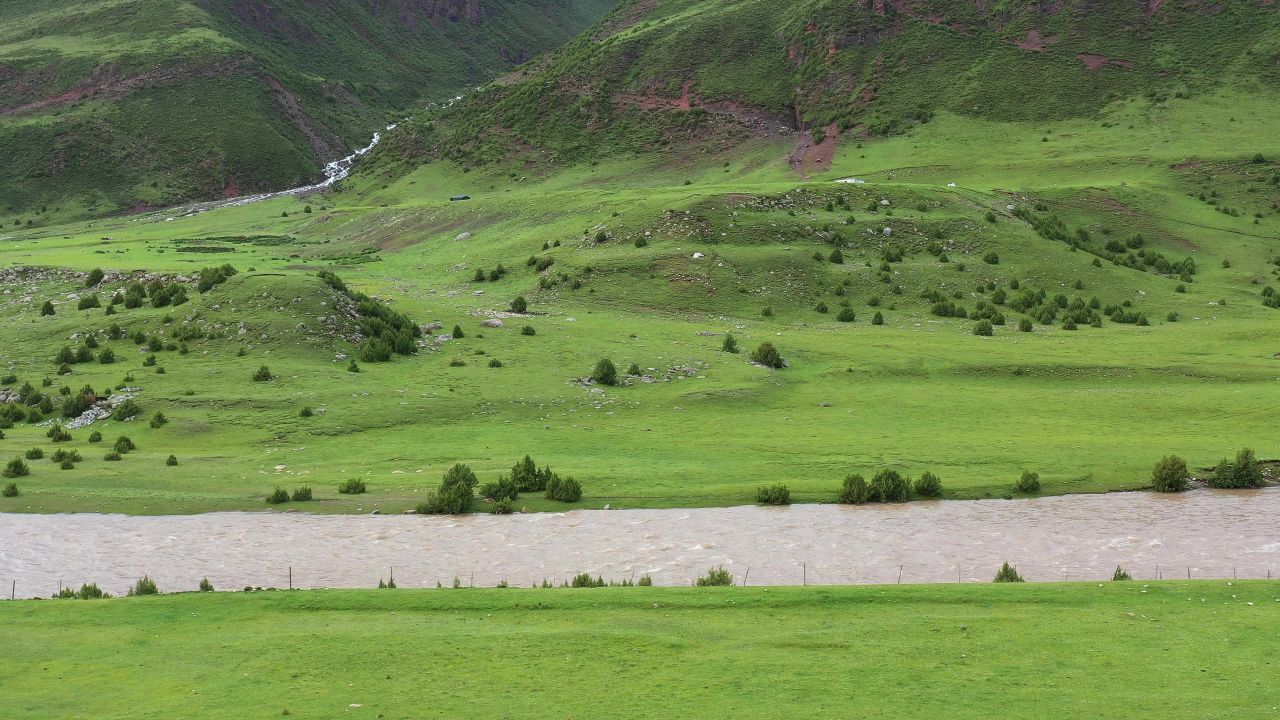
column 1119, row 650
column 1090, row 409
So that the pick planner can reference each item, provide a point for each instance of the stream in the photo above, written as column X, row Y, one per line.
column 1201, row 534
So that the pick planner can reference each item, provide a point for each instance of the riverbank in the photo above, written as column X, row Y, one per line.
column 1198, row 534
column 1115, row 650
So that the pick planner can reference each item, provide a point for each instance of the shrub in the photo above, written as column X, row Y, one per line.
column 11, row 490
column 302, row 494
column 144, row 586
column 519, row 304
column 854, row 491
column 836, row 257
column 1170, row 474
column 634, row 370
column 773, row 495
column 457, row 362
column 991, row 258
column 57, row 433
column 1028, row 483
column 88, row 302
column 495, row 363
column 47, row 308
column 605, row 373
column 455, row 494
column 983, row 328
column 878, row 319
column 1007, row 574
column 111, row 456
column 159, row 420
column 503, row 489
column 95, row 437
column 35, row 454
column 106, row 356
column 730, row 344
column 846, row 314
column 171, row 461
column 716, row 576
column 263, row 374
column 126, row 410
column 767, row 355
column 123, row 445
column 1120, row 574
column 277, row 496
column 205, row 585
column 457, row 332
column 352, row 366
column 889, row 486
column 95, row 277
column 528, row 330
column 929, row 485
column 563, row 489
column 1024, row 325
column 501, row 507
column 644, row 581
column 1245, row 472
column 352, row 486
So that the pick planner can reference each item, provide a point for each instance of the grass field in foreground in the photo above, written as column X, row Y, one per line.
column 1115, row 650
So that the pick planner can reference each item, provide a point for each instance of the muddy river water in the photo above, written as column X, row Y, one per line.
column 1218, row 534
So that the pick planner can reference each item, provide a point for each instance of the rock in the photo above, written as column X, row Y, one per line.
column 884, row 202
column 698, row 256
column 491, row 323
column 888, row 232
column 463, row 236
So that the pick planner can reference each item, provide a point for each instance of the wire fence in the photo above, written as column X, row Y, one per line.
column 799, row 573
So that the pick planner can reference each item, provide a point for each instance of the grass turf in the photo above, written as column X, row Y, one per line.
column 1116, row 650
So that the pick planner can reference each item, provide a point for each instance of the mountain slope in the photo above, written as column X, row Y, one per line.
column 130, row 103
column 656, row 75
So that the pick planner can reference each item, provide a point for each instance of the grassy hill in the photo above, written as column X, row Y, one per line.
column 1124, row 255
column 128, row 104
column 1121, row 650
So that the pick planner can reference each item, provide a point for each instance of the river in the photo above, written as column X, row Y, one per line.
column 1204, row 533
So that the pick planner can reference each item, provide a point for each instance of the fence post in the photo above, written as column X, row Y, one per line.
column 1233, row 573
column 899, row 574
column 1188, row 572
column 290, row 577
column 746, row 575
column 13, row 589
column 804, row 573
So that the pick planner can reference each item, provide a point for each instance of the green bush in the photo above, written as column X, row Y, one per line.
column 716, row 576
column 457, row 333
column 124, row 445
column 889, row 486
column 501, row 507
column 1170, row 474
column 455, row 494
column 35, row 454
column 205, row 585
column 773, row 495
column 503, row 489
column 352, row 486
column 1024, row 325
column 644, row 581
column 95, row 437
column 983, row 328
column 730, row 344
column 767, row 355
column 47, row 309
column 10, row 490
column 95, row 276
column 1028, row 483
column 929, row 485
column 306, row 411
column 563, row 489
column 277, row 496
column 854, row 491
column 302, row 494
column 16, row 468
column 159, row 420
column 528, row 330
column 519, row 305
column 263, row 374
column 126, row 410
column 57, row 433
column 878, row 319
column 605, row 372
column 1120, row 574
column 495, row 363
column 1007, row 574
column 111, row 456
column 171, row 461
column 144, row 586
column 846, row 314
column 1245, row 472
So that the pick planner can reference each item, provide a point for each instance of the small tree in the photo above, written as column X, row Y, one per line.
column 929, row 485
column 1028, row 483
column 1170, row 474
column 878, row 319
column 171, row 461
column 278, row 496
column 144, row 586
column 563, row 489
column 983, row 328
column 889, row 486
column 205, row 585
column 47, row 308
column 302, row 494
column 773, row 495
column 10, row 490
column 263, row 374
column 854, row 491
column 716, row 576
column 457, row 332
column 352, row 486
column 730, row 344
column 605, row 372
column 846, row 314
column 1007, row 574
column 767, row 355
column 519, row 305
column 1120, row 574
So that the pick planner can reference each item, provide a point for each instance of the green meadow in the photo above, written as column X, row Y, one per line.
column 1091, row 409
column 1116, row 650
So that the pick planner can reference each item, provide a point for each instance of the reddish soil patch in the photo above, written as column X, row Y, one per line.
column 1035, row 42
column 325, row 147
column 634, row 13
column 688, row 100
column 106, row 82
column 1097, row 62
column 1186, row 165
column 809, row 157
